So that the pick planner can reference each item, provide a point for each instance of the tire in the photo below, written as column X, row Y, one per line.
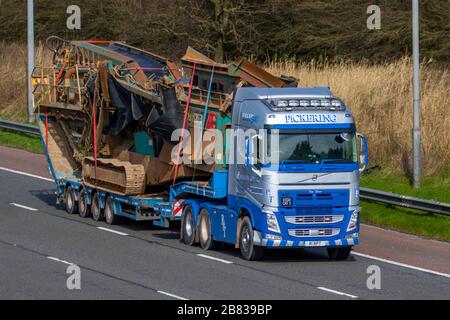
column 97, row 212
column 249, row 251
column 84, row 209
column 109, row 213
column 205, row 233
column 188, row 226
column 339, row 254
column 71, row 201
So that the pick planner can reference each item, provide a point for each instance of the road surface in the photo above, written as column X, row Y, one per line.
column 39, row 241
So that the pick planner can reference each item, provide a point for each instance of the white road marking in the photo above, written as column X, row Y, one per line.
column 402, row 265
column 113, row 231
column 172, row 295
column 26, row 174
column 338, row 292
column 23, row 207
column 61, row 261
column 215, row 259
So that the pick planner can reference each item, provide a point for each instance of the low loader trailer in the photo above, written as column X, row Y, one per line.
column 286, row 176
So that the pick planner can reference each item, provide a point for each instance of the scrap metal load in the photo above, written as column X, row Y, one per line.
column 109, row 110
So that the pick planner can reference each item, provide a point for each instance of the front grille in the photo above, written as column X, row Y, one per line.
column 302, row 233
column 314, row 211
column 314, row 219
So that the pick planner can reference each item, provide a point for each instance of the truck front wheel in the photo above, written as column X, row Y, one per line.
column 71, row 202
column 339, row 253
column 249, row 251
column 206, row 239
column 188, row 226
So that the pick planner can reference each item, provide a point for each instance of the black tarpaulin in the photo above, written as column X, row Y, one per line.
column 129, row 107
column 164, row 122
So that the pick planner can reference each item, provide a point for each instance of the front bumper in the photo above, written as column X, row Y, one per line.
column 259, row 241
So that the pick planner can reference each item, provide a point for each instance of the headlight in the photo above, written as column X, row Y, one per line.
column 353, row 221
column 272, row 222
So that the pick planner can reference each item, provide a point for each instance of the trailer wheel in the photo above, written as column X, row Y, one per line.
column 249, row 251
column 188, row 226
column 110, row 216
column 84, row 209
column 97, row 212
column 339, row 254
column 70, row 200
column 206, row 240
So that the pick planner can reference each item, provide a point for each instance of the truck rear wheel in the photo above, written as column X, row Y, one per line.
column 97, row 212
column 71, row 201
column 84, row 209
column 206, row 239
column 339, row 254
column 110, row 216
column 188, row 226
column 249, row 251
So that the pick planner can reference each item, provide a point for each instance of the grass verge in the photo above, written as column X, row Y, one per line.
column 20, row 141
column 405, row 220
column 434, row 188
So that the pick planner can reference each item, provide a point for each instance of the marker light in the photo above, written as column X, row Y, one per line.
column 305, row 103
column 294, row 103
column 325, row 103
column 337, row 103
column 282, row 103
column 315, row 103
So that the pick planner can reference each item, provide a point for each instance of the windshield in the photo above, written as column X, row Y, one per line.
column 327, row 148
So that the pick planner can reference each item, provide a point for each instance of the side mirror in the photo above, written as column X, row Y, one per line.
column 364, row 153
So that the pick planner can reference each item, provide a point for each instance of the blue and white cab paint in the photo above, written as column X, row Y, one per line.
column 304, row 200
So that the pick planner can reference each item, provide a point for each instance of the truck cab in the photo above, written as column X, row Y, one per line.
column 298, row 184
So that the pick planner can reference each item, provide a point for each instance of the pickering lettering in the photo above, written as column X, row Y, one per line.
column 311, row 118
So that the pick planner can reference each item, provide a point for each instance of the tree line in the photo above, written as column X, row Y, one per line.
column 259, row 29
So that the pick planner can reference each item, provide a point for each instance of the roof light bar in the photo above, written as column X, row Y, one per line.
column 322, row 104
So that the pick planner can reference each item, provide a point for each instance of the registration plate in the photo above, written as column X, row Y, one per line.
column 316, row 244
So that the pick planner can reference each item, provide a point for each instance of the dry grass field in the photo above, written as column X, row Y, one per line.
column 379, row 95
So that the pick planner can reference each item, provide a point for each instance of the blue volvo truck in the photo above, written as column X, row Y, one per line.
column 296, row 186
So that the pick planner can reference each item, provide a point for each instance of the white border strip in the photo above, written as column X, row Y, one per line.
column 26, row 174
column 338, row 292
column 23, row 207
column 172, row 296
column 214, row 259
column 113, row 231
column 401, row 264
